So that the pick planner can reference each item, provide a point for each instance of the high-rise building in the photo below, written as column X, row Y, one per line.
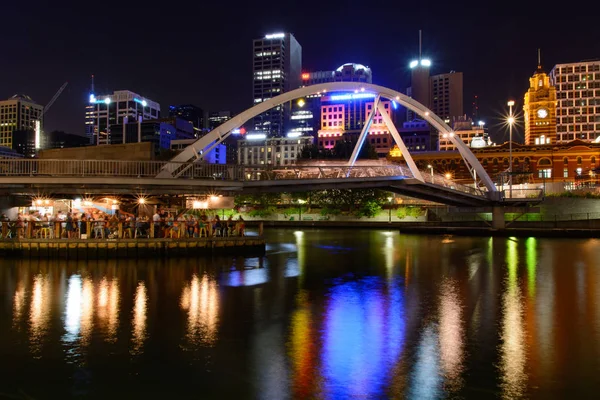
column 540, row 110
column 466, row 130
column 159, row 132
column 106, row 110
column 20, row 113
column 188, row 112
column 277, row 65
column 578, row 100
column 446, row 95
column 419, row 84
column 306, row 111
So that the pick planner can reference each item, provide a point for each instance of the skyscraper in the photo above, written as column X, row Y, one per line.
column 446, row 95
column 20, row 114
column 277, row 65
column 578, row 100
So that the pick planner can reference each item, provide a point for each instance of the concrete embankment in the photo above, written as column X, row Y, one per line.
column 520, row 229
column 130, row 248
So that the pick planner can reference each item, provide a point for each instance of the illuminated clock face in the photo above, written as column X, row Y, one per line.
column 542, row 113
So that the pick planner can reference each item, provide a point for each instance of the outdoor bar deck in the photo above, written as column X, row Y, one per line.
column 130, row 248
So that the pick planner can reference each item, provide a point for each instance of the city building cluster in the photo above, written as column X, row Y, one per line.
column 560, row 108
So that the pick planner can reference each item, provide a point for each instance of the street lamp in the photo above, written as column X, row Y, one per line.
column 390, row 208
column 511, row 122
column 431, row 168
column 448, row 175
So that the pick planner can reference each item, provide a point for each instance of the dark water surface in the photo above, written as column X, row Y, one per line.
column 333, row 314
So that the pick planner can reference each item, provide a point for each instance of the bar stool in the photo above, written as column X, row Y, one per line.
column 45, row 232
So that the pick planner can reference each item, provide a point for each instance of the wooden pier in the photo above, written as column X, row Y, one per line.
column 130, row 248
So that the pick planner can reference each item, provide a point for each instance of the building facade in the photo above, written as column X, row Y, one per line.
column 446, row 95
column 539, row 110
column 106, row 110
column 218, row 155
column 277, row 68
column 578, row 100
column 20, row 114
column 415, row 135
column 256, row 149
column 189, row 112
column 343, row 116
column 466, row 130
column 419, row 85
column 216, row 118
column 159, row 132
column 562, row 163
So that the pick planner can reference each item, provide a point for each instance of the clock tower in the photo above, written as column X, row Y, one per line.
column 540, row 109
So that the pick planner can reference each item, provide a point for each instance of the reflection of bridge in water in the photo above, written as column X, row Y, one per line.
column 75, row 177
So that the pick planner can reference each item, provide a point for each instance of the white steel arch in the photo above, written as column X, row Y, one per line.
column 217, row 135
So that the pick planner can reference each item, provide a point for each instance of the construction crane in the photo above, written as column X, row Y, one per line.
column 38, row 121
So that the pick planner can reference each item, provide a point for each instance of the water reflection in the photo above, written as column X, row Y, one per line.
column 138, row 331
column 330, row 314
column 39, row 314
column 200, row 298
column 513, row 357
column 363, row 334
column 451, row 334
column 108, row 307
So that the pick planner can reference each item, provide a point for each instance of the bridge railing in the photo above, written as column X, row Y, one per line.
column 523, row 194
column 441, row 180
column 293, row 172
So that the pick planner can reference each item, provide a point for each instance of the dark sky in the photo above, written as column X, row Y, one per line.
column 200, row 52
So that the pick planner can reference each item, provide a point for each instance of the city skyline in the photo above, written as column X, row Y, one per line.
column 218, row 75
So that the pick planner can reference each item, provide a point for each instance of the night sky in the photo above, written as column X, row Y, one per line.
column 199, row 53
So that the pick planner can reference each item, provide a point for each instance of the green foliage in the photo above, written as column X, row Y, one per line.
column 260, row 199
column 261, row 212
column 369, row 209
column 401, row 213
column 290, row 211
column 414, row 212
column 327, row 211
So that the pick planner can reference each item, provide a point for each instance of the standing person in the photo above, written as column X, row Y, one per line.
column 229, row 225
column 218, row 226
column 156, row 222
column 69, row 225
column 83, row 226
column 242, row 227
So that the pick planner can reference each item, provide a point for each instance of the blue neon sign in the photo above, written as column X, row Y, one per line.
column 352, row 96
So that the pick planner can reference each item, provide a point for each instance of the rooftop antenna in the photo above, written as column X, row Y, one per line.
column 539, row 58
column 92, row 83
column 420, row 41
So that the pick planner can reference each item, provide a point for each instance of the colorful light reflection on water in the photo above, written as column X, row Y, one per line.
column 325, row 314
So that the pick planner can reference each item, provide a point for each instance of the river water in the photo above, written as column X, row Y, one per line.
column 332, row 314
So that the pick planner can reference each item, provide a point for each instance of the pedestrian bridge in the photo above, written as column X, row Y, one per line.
column 34, row 177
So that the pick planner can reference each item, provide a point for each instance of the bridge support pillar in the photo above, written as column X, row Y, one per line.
column 498, row 217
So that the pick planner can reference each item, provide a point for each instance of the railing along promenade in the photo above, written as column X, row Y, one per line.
column 239, row 173
column 108, row 230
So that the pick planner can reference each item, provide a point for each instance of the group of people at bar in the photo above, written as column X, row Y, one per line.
column 100, row 225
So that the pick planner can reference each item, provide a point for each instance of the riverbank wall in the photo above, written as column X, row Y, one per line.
column 131, row 248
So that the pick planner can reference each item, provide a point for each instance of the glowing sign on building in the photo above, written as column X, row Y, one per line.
column 305, row 76
column 275, row 36
column 352, row 96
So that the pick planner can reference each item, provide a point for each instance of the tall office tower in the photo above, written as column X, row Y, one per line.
column 419, row 82
column 446, row 95
column 112, row 109
column 20, row 116
column 578, row 100
column 277, row 65
column 540, row 109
